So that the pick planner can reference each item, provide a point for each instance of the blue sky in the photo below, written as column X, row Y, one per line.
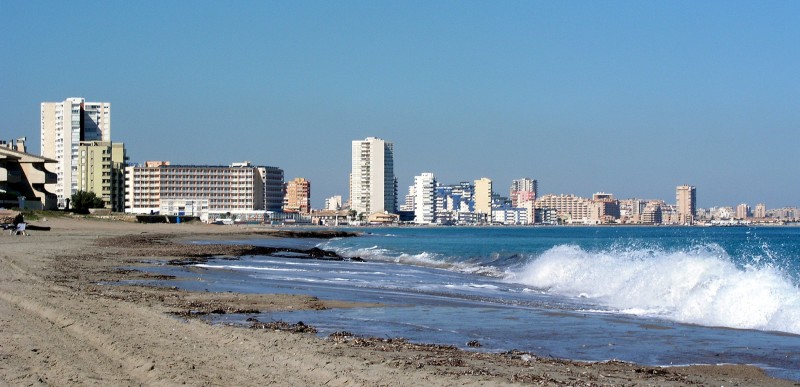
column 632, row 98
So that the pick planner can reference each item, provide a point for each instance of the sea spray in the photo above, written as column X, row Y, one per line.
column 700, row 284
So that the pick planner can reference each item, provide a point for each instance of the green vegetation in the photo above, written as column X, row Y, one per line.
column 82, row 201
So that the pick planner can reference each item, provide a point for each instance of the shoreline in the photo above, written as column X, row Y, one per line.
column 63, row 326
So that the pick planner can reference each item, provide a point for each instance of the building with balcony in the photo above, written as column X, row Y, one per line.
column 523, row 190
column 686, row 204
column 239, row 190
column 101, row 169
column 298, row 196
column 29, row 177
column 424, row 198
column 373, row 186
column 570, row 208
column 64, row 125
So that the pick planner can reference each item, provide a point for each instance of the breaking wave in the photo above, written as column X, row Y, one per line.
column 701, row 285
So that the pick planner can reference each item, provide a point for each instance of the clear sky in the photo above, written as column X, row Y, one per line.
column 627, row 97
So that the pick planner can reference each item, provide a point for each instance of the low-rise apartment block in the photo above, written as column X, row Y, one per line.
column 239, row 190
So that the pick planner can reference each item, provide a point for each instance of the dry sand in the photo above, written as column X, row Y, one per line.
column 59, row 325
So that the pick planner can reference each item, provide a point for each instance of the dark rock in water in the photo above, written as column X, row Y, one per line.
column 474, row 344
column 300, row 327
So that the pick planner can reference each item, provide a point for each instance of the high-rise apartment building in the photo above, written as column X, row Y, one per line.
column 523, row 190
column 760, row 211
column 101, row 169
column 373, row 186
column 298, row 196
column 424, row 198
column 686, row 203
column 483, row 196
column 63, row 126
column 742, row 211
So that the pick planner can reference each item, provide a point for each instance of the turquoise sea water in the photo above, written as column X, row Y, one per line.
column 651, row 295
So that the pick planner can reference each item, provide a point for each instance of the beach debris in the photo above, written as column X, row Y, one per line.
column 283, row 326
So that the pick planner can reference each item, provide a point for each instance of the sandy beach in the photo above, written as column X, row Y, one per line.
column 64, row 321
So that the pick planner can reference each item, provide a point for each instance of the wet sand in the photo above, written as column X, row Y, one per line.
column 62, row 323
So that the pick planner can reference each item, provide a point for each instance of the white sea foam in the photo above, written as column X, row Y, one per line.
column 700, row 285
column 240, row 267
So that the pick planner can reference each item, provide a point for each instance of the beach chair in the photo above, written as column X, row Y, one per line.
column 20, row 230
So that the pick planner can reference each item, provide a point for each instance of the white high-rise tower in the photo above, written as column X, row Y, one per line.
column 424, row 199
column 63, row 126
column 373, row 187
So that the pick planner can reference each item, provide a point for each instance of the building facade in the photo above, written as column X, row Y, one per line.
column 333, row 203
column 483, row 196
column 26, row 176
column 298, row 196
column 64, row 125
column 523, row 190
column 424, row 198
column 101, row 169
column 686, row 203
column 570, row 208
column 742, row 211
column 238, row 189
column 373, row 186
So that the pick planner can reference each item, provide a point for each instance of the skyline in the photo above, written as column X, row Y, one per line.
column 626, row 98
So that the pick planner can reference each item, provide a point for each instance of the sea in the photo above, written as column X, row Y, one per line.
column 660, row 296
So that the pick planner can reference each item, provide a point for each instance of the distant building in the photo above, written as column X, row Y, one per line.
column 523, row 190
column 742, row 211
column 408, row 203
column 240, row 189
column 570, row 208
column 333, row 203
column 686, row 203
column 25, row 175
column 605, row 209
column 298, row 196
column 652, row 213
column 63, row 126
column 373, row 186
column 424, row 199
column 101, row 170
column 483, row 196
column 760, row 211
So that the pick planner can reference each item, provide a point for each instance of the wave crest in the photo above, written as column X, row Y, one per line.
column 700, row 285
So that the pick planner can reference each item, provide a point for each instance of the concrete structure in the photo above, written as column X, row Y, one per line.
column 101, row 169
column 333, row 203
column 510, row 216
column 685, row 203
column 373, row 186
column 483, row 196
column 760, row 211
column 570, row 208
column 185, row 207
column 523, row 190
column 652, row 213
column 424, row 198
column 26, row 176
column 742, row 211
column 408, row 203
column 239, row 189
column 604, row 209
column 63, row 126
column 298, row 196
column 330, row 217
